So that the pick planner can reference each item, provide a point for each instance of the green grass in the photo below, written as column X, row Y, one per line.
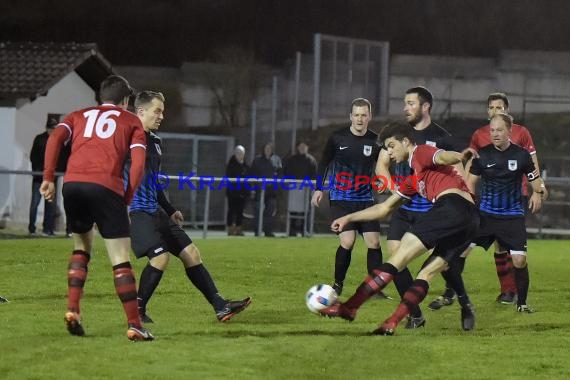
column 277, row 337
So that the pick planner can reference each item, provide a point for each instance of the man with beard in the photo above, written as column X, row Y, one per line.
column 418, row 103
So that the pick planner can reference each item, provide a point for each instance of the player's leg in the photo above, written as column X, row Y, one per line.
column 34, row 203
column 148, row 282
column 513, row 237
column 81, row 221
column 112, row 221
column 200, row 277
column 343, row 258
column 505, row 274
column 410, row 247
column 146, row 241
column 347, row 238
column 414, row 295
column 453, row 282
column 447, row 229
column 400, row 222
column 522, row 280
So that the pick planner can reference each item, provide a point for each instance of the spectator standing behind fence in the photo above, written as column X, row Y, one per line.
column 236, row 195
column 266, row 165
column 301, row 165
column 37, row 159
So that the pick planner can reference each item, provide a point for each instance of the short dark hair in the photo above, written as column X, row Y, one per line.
column 498, row 96
column 424, row 95
column 361, row 102
column 399, row 130
column 147, row 96
column 114, row 89
column 508, row 119
column 52, row 120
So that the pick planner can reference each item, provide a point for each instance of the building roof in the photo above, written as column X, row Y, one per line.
column 30, row 69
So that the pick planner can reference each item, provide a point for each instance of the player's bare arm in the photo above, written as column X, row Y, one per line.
column 383, row 169
column 542, row 184
column 535, row 201
column 378, row 211
column 471, row 182
column 447, row 157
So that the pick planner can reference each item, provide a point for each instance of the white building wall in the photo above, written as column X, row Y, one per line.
column 67, row 95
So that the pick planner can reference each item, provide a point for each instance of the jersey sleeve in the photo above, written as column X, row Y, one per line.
column 425, row 155
column 407, row 188
column 475, row 167
column 474, row 142
column 526, row 141
column 529, row 168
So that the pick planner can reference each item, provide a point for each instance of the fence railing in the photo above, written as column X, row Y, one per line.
column 552, row 220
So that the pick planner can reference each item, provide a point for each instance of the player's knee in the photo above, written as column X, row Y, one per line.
column 161, row 261
column 190, row 256
column 519, row 260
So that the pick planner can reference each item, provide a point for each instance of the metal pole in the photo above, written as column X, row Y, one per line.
column 316, row 80
column 384, row 80
column 260, row 211
column 193, row 197
column 296, row 100
column 273, row 108
column 253, row 131
column 206, row 213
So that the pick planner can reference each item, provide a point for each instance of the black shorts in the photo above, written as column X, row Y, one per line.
column 342, row 208
column 449, row 227
column 401, row 221
column 155, row 234
column 509, row 232
column 87, row 203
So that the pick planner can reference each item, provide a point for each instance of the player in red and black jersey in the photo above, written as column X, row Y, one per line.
column 447, row 228
column 93, row 192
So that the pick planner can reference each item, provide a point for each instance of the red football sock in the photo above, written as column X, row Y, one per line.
column 126, row 288
column 76, row 275
column 504, row 266
column 368, row 288
column 411, row 299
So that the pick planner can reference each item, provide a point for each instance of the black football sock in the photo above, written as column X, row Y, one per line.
column 201, row 279
column 341, row 264
column 522, row 280
column 454, row 279
column 150, row 278
column 403, row 280
column 373, row 259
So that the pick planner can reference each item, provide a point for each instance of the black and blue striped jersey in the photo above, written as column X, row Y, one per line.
column 147, row 197
column 501, row 178
column 433, row 135
column 347, row 156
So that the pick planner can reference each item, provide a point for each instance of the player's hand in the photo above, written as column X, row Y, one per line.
column 47, row 189
column 467, row 154
column 544, row 194
column 535, row 202
column 338, row 224
column 177, row 218
column 316, row 198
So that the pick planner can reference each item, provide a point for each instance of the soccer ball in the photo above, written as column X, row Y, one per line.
column 319, row 297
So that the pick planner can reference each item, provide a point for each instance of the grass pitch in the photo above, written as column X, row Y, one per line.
column 276, row 337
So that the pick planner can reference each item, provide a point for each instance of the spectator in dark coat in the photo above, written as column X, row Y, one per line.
column 236, row 197
column 266, row 165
